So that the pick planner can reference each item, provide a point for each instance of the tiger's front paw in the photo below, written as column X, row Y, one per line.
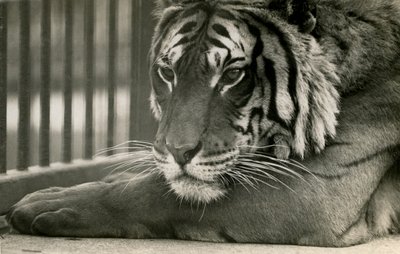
column 54, row 211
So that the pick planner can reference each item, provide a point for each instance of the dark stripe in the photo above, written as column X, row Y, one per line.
column 188, row 27
column 194, row 10
column 389, row 149
column 237, row 3
column 217, row 57
column 259, row 46
column 266, row 132
column 24, row 98
column 225, row 15
column 271, row 76
column 112, row 59
column 254, row 113
column 237, row 128
column 166, row 18
column 89, row 77
column 234, row 60
column 68, row 76
column 45, row 70
column 221, row 30
column 241, row 46
column 250, row 79
column 3, row 87
column 184, row 40
column 177, row 17
column 217, row 43
column 164, row 26
column 290, row 58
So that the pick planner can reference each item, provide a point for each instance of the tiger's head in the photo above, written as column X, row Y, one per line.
column 229, row 78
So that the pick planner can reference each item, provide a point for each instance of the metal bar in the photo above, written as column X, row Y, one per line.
column 3, row 87
column 112, row 49
column 45, row 74
column 68, row 75
column 89, row 71
column 136, row 35
column 24, row 99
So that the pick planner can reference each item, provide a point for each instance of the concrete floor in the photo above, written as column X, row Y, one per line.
column 15, row 243
column 11, row 244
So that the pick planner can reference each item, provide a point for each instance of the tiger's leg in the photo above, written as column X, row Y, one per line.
column 97, row 209
column 383, row 213
column 141, row 209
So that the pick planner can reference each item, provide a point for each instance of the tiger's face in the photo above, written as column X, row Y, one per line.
column 223, row 85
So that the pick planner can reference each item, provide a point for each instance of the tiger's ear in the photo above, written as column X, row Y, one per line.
column 302, row 13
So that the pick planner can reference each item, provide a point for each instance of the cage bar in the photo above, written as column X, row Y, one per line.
column 112, row 55
column 24, row 99
column 68, row 75
column 45, row 74
column 3, row 87
column 136, row 37
column 89, row 78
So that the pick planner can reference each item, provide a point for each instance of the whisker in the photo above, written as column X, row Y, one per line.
column 139, row 143
column 256, row 179
column 260, row 147
column 265, row 167
column 272, row 165
column 290, row 162
column 245, row 177
column 140, row 175
column 269, row 176
column 202, row 214
column 128, row 155
column 239, row 179
column 118, row 149
column 242, row 179
column 122, row 148
column 135, row 161
column 130, row 168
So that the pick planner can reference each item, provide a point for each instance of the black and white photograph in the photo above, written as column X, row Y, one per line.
column 199, row 126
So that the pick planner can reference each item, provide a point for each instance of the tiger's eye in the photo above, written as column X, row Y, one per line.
column 166, row 73
column 231, row 76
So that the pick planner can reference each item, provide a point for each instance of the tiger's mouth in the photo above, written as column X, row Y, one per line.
column 191, row 189
column 203, row 179
column 209, row 177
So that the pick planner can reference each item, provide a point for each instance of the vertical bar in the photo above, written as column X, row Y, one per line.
column 136, row 34
column 45, row 74
column 24, row 99
column 68, row 74
column 89, row 71
column 3, row 87
column 112, row 49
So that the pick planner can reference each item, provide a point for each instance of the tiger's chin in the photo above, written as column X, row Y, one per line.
column 194, row 190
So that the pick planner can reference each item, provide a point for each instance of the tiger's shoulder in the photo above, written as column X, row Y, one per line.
column 362, row 38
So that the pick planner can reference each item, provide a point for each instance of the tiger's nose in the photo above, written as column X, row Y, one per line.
column 183, row 154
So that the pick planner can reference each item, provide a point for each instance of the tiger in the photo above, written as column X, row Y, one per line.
column 278, row 123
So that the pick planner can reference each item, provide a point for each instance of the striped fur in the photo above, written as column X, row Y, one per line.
column 287, row 96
